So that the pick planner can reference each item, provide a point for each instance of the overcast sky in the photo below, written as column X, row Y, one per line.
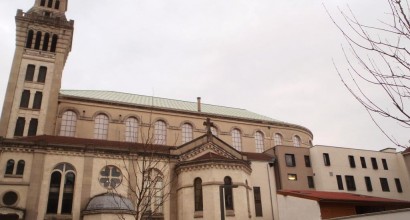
column 268, row 56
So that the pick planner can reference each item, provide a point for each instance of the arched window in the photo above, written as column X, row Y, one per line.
column 29, row 41
column 154, row 187
column 160, row 132
column 30, row 72
column 278, row 139
column 45, row 41
column 186, row 133
column 131, row 129
column 43, row 3
column 25, row 98
column 50, row 3
column 68, row 124
column 20, row 167
column 54, row 43
column 57, row 5
column 32, row 128
column 42, row 74
column 101, row 127
column 236, row 139
column 38, row 40
column 296, row 141
column 214, row 131
column 259, row 142
column 20, row 124
column 198, row 194
column 228, row 193
column 10, row 167
column 60, row 196
column 38, row 96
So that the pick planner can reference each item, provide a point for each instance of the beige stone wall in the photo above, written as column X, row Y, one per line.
column 325, row 176
column 86, row 112
column 297, row 208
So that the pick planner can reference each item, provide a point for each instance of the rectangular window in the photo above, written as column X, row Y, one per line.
column 292, row 177
column 307, row 161
column 368, row 182
column 326, row 159
column 37, row 100
column 363, row 162
column 258, row 201
column 30, row 72
column 385, row 184
column 374, row 163
column 351, row 161
column 350, row 184
column 20, row 123
column 290, row 160
column 384, row 162
column 339, row 182
column 42, row 74
column 311, row 182
column 25, row 98
column 32, row 128
column 398, row 185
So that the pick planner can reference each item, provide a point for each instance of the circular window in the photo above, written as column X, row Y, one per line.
column 10, row 198
column 110, row 177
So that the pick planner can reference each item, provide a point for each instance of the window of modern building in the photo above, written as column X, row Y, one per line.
column 101, row 127
column 350, row 184
column 45, row 41
column 214, row 131
column 32, row 128
column 258, row 201
column 339, row 182
column 259, row 142
column 368, row 182
column 326, row 159
column 290, row 160
column 54, row 43
column 30, row 36
column 198, row 194
column 20, row 123
column 278, row 139
column 307, row 161
column 292, row 176
column 351, row 161
column 384, row 162
column 296, row 141
column 236, row 139
column 311, row 183
column 38, row 96
column 384, row 184
column 30, row 72
column 25, row 99
column 187, row 133
column 68, row 124
column 20, row 167
column 131, row 129
column 160, row 132
column 363, row 162
column 398, row 185
column 61, row 191
column 228, row 193
column 38, row 40
column 41, row 78
column 374, row 163
column 10, row 167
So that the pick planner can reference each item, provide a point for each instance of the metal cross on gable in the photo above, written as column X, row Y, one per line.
column 208, row 125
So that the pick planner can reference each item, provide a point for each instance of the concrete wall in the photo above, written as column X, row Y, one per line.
column 297, row 208
column 401, row 214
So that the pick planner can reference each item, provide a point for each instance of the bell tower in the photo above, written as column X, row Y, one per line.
column 43, row 42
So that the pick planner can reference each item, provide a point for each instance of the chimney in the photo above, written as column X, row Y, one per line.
column 199, row 103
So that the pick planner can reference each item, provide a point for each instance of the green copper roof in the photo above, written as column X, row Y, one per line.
column 141, row 100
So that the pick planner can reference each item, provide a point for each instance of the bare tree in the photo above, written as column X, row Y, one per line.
column 378, row 60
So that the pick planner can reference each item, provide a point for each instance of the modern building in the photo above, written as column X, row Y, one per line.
column 81, row 154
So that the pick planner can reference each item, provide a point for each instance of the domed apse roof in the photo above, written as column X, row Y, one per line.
column 109, row 201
